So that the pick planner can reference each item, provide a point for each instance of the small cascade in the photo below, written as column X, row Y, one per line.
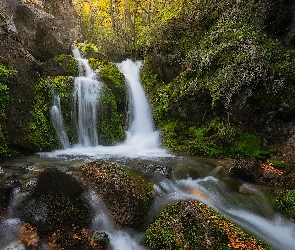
column 141, row 129
column 57, row 121
column 86, row 95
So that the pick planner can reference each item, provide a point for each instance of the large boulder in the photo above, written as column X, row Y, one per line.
column 46, row 29
column 58, row 211
column 126, row 196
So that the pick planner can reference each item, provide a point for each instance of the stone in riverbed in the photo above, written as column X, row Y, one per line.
column 126, row 194
column 246, row 170
column 153, row 170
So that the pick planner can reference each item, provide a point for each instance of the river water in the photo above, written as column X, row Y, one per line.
column 195, row 178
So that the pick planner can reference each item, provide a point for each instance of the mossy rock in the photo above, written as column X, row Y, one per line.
column 194, row 225
column 63, row 86
column 110, row 123
column 224, row 67
column 60, row 65
column 41, row 135
column 114, row 80
column 127, row 194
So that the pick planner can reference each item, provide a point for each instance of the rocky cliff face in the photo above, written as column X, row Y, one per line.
column 45, row 28
column 31, row 32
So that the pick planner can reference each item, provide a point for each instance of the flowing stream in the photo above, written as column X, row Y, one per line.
column 194, row 178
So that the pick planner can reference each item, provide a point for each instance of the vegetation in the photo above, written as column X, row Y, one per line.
column 286, row 202
column 210, row 66
column 120, row 27
column 110, row 127
column 41, row 133
column 4, row 99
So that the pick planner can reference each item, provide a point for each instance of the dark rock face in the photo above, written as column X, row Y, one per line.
column 277, row 18
column 246, row 170
column 16, row 57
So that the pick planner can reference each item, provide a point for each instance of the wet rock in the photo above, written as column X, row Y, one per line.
column 45, row 28
column 101, row 238
column 56, row 182
column 127, row 196
column 61, row 65
column 57, row 209
column 277, row 18
column 153, row 170
column 29, row 186
column 6, row 191
column 246, row 170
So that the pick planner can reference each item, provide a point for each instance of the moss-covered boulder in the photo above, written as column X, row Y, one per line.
column 285, row 202
column 126, row 194
column 60, row 65
column 40, row 133
column 114, row 80
column 110, row 125
column 194, row 225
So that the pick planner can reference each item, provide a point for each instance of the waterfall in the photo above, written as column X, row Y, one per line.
column 57, row 121
column 86, row 94
column 142, row 140
column 141, row 129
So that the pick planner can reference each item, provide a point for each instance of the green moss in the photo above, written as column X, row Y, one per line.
column 110, row 129
column 64, row 87
column 41, row 133
column 227, row 66
column 114, row 80
column 60, row 65
column 87, row 49
column 221, row 139
column 285, row 202
column 4, row 99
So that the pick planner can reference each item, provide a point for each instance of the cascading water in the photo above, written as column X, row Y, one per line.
column 86, row 95
column 141, row 129
column 57, row 121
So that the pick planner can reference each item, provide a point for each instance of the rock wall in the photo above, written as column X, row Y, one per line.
column 45, row 28
column 277, row 18
column 31, row 32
